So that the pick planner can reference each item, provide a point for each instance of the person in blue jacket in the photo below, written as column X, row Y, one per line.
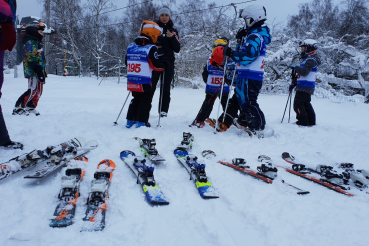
column 305, row 83
column 249, row 57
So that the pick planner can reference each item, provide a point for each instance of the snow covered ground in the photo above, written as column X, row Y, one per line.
column 248, row 212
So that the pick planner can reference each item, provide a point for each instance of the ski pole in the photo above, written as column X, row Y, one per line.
column 289, row 114
column 289, row 95
column 229, row 94
column 221, row 91
column 116, row 122
column 103, row 78
column 161, row 96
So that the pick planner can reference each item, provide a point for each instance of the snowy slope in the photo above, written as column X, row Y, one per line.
column 248, row 212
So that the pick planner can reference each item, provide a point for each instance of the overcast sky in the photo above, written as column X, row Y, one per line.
column 276, row 9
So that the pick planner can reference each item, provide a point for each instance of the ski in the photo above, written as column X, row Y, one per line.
column 148, row 147
column 33, row 158
column 98, row 197
column 63, row 157
column 240, row 165
column 68, row 195
column 197, row 173
column 305, row 172
column 145, row 177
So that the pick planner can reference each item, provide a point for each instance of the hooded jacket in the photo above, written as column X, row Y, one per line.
column 167, row 46
column 251, row 45
column 33, row 54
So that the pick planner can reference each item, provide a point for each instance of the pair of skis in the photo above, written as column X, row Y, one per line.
column 266, row 172
column 97, row 199
column 53, row 158
column 327, row 177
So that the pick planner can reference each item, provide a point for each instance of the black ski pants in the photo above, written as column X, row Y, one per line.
column 140, row 106
column 207, row 105
column 305, row 114
column 168, row 77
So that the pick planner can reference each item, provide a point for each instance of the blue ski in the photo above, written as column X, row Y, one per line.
column 145, row 177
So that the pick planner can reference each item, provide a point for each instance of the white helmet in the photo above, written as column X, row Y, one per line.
column 252, row 14
column 309, row 43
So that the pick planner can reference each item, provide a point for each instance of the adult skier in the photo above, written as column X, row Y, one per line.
column 213, row 77
column 305, row 83
column 249, row 57
column 34, row 69
column 8, row 38
column 168, row 44
column 142, row 59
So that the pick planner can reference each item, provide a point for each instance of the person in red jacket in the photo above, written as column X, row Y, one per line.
column 8, row 39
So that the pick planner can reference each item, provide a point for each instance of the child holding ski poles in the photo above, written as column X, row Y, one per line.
column 142, row 60
column 249, row 57
column 213, row 77
column 305, row 83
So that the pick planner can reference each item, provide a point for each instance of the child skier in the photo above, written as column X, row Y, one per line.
column 213, row 77
column 249, row 57
column 34, row 65
column 142, row 60
column 305, row 83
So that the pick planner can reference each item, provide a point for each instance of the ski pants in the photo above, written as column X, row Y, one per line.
column 140, row 106
column 4, row 136
column 305, row 114
column 247, row 92
column 31, row 97
column 168, row 77
column 207, row 105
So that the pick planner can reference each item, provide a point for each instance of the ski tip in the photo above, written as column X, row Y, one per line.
column 126, row 153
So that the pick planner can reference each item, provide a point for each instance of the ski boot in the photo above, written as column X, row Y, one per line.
column 197, row 123
column 198, row 168
column 187, row 139
column 20, row 111
column 130, row 123
column 211, row 122
column 240, row 163
column 222, row 127
column 145, row 169
column 268, row 170
column 32, row 111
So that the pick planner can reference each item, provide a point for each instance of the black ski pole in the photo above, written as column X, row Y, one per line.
column 289, row 114
column 289, row 95
column 161, row 96
column 116, row 122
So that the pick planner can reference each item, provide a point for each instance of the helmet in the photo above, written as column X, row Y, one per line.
column 217, row 57
column 220, row 42
column 151, row 30
column 311, row 43
column 252, row 14
column 39, row 25
column 311, row 47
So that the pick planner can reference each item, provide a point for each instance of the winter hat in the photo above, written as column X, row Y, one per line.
column 164, row 10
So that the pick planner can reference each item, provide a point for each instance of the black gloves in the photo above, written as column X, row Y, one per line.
column 40, row 73
column 241, row 33
column 291, row 87
column 228, row 52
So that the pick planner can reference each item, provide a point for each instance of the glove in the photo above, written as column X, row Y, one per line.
column 291, row 88
column 40, row 73
column 293, row 67
column 9, row 36
column 241, row 33
column 229, row 52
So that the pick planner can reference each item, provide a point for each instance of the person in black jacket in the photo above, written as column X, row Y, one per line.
column 167, row 44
